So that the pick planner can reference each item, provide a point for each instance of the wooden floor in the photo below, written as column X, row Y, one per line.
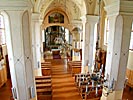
column 62, row 84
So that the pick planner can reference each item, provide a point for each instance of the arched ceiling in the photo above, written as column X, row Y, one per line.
column 71, row 7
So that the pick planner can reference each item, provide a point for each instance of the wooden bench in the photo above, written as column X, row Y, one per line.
column 46, row 68
column 43, row 87
column 46, row 71
column 46, row 85
column 45, row 64
column 129, row 74
column 44, row 94
column 42, row 77
column 76, row 69
column 43, row 81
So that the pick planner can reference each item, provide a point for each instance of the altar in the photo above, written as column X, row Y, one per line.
column 56, row 53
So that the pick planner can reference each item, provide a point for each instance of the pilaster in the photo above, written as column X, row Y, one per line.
column 120, row 23
column 88, row 39
column 18, row 37
column 36, row 42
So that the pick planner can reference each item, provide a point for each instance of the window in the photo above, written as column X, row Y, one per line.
column 106, row 31
column 131, row 39
column 2, row 31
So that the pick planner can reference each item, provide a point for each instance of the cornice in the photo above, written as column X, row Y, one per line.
column 126, row 7
column 119, row 7
column 15, row 5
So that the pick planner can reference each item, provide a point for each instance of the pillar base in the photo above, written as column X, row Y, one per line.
column 115, row 95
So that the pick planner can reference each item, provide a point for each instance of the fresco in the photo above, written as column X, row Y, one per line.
column 56, row 18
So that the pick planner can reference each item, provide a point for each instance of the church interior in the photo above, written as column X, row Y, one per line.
column 66, row 49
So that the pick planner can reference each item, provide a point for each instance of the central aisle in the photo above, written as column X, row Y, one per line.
column 63, row 86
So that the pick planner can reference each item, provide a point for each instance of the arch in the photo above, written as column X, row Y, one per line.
column 66, row 20
column 8, row 43
column 58, row 11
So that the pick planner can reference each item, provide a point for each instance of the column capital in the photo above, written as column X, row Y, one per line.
column 113, row 8
column 90, row 18
column 35, row 16
column 15, row 5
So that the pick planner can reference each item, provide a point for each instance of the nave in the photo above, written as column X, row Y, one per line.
column 63, row 85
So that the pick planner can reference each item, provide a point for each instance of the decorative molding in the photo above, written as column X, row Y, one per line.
column 112, row 9
column 126, row 7
column 15, row 5
column 120, row 7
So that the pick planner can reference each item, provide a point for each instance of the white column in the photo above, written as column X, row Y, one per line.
column 36, row 42
column 76, row 36
column 18, row 35
column 117, row 51
column 88, row 40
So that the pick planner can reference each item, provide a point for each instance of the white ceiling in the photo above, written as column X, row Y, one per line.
column 74, row 8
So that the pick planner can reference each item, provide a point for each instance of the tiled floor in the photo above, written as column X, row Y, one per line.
column 62, row 84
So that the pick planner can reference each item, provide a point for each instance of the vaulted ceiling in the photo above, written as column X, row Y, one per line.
column 73, row 8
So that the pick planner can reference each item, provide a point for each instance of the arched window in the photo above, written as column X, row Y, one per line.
column 2, row 30
column 131, row 39
column 106, row 31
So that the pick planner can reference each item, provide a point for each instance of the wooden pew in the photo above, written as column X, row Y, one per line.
column 70, row 63
column 43, row 81
column 129, row 74
column 46, row 71
column 44, row 94
column 74, row 67
column 42, row 77
column 46, row 68
column 76, row 70
column 43, row 87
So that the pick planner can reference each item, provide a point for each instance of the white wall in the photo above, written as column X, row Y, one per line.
column 130, row 60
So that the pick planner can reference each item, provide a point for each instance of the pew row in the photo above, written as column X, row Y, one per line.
column 129, row 74
column 74, row 67
column 46, row 68
column 43, row 87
